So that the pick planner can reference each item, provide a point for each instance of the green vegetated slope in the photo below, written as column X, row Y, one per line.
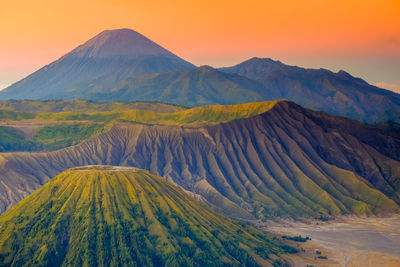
column 64, row 129
column 64, row 135
column 118, row 216
column 32, row 106
column 287, row 161
column 11, row 139
column 200, row 116
column 44, row 137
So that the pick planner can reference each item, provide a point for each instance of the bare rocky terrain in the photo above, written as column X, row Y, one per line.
column 346, row 241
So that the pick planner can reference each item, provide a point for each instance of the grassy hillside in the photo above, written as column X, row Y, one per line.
column 62, row 129
column 12, row 139
column 35, row 106
column 199, row 116
column 64, row 135
column 195, row 117
column 47, row 137
column 108, row 216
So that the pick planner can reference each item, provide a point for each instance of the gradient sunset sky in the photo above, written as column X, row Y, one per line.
column 361, row 37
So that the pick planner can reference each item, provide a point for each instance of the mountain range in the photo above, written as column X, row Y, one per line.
column 320, row 89
column 281, row 160
column 144, row 159
column 123, row 65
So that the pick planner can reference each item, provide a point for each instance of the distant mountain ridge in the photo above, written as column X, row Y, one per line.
column 123, row 65
column 320, row 89
column 195, row 87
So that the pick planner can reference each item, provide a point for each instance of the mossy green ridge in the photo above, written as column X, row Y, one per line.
column 36, row 106
column 12, row 139
column 194, row 117
column 64, row 135
column 47, row 138
column 15, row 115
column 62, row 129
column 200, row 116
column 119, row 216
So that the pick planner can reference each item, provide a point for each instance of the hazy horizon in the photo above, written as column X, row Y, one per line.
column 395, row 87
column 363, row 40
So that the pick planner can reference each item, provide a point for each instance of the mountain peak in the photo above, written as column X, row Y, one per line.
column 254, row 67
column 344, row 74
column 205, row 68
column 120, row 42
column 102, row 62
column 261, row 60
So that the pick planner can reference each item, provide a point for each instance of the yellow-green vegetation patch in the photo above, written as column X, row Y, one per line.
column 111, row 216
column 62, row 129
column 199, row 116
column 63, row 135
column 36, row 106
column 49, row 137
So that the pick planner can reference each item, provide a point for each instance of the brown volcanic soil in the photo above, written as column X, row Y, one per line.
column 347, row 241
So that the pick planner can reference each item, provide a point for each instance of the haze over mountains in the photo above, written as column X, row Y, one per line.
column 105, row 60
column 122, row 65
column 336, row 93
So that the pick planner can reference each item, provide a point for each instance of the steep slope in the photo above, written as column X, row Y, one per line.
column 335, row 93
column 201, row 86
column 98, row 64
column 111, row 216
column 288, row 161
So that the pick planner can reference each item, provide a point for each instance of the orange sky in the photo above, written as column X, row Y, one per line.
column 362, row 37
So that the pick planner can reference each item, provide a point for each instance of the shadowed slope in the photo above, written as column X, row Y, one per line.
column 201, row 86
column 321, row 89
column 111, row 216
column 287, row 161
